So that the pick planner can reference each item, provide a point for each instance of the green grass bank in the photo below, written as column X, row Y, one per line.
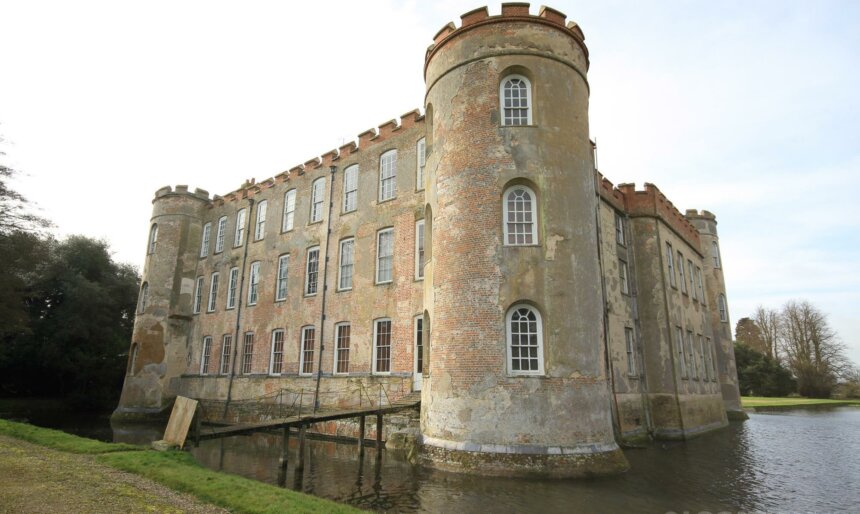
column 762, row 401
column 179, row 471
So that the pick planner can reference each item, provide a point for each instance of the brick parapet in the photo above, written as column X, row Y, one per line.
column 651, row 202
column 511, row 12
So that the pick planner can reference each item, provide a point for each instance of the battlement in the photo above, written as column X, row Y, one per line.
column 649, row 202
column 695, row 214
column 511, row 11
column 201, row 194
column 366, row 139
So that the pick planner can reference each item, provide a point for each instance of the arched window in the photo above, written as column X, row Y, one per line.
column 317, row 192
column 516, row 100
column 144, row 297
column 520, row 213
column 388, row 175
column 724, row 308
column 525, row 340
column 153, row 239
column 132, row 363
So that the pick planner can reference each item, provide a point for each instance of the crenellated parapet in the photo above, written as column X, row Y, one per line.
column 511, row 11
column 652, row 202
column 365, row 140
column 201, row 194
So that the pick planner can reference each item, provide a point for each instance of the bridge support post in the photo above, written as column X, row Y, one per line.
column 379, row 436
column 300, row 467
column 282, row 465
column 361, row 422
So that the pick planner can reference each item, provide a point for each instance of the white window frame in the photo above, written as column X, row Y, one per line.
column 679, row 352
column 213, row 291
column 346, row 261
column 630, row 347
column 144, row 298
column 282, row 280
column 317, row 200
column 620, row 235
column 690, row 272
column 350, row 189
column 388, row 176
column 204, row 243
column 135, row 349
column 624, row 276
column 712, row 352
column 701, row 287
column 691, row 357
column 420, row 163
column 206, row 355
column 510, row 120
column 254, row 283
column 153, row 239
column 681, row 273
column 307, row 356
column 232, row 284
column 260, row 225
column 226, row 358
column 337, row 348
column 384, row 257
column 376, row 345
column 510, row 343
column 220, row 234
column 715, row 254
column 723, row 308
column 670, row 262
column 416, row 321
column 276, row 353
column 705, row 374
column 239, row 235
column 533, row 233
column 316, row 272
column 247, row 353
column 420, row 255
column 289, row 211
column 198, row 296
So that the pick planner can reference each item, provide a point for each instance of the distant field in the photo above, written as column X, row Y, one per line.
column 762, row 401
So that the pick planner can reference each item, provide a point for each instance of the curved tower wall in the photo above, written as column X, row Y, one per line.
column 706, row 223
column 473, row 409
column 161, row 330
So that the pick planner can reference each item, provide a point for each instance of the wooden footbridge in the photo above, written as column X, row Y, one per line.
column 410, row 401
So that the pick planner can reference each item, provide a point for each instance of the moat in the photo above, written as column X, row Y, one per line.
column 792, row 460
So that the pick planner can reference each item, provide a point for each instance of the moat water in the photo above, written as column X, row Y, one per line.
column 781, row 461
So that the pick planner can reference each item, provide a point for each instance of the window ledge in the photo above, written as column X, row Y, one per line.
column 379, row 202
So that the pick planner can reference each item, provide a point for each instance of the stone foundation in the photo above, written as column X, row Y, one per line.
column 523, row 460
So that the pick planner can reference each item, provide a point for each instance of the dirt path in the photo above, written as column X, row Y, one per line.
column 34, row 479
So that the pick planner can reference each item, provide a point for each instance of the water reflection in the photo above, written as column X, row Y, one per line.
column 801, row 460
column 798, row 461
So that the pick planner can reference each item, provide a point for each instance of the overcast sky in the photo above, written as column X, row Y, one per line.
column 749, row 109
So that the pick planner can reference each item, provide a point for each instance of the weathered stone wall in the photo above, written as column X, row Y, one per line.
column 473, row 403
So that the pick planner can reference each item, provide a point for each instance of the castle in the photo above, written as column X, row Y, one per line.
column 474, row 254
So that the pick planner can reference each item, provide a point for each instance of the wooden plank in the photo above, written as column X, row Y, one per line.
column 249, row 428
column 180, row 420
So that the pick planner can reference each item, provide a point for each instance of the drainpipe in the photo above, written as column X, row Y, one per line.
column 332, row 169
column 613, row 401
column 238, row 307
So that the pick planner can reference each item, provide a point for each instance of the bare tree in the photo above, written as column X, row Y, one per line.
column 768, row 323
column 812, row 348
column 14, row 215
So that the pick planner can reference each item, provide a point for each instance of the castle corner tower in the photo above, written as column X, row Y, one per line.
column 517, row 382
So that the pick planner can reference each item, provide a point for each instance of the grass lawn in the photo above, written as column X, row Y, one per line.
column 179, row 471
column 762, row 401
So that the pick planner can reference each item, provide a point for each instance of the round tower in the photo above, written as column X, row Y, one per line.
column 718, row 311
column 158, row 349
column 516, row 381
